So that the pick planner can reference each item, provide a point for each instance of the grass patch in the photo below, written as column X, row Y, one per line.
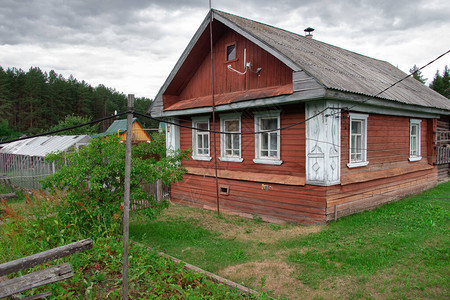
column 98, row 271
column 188, row 240
column 400, row 250
column 407, row 234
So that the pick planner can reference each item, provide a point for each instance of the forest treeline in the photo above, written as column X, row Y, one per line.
column 34, row 101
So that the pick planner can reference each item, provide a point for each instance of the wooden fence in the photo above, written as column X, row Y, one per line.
column 25, row 171
column 12, row 287
column 442, row 147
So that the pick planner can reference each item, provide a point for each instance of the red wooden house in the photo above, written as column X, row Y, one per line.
column 324, row 146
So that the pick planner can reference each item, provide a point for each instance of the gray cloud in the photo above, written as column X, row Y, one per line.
column 99, row 41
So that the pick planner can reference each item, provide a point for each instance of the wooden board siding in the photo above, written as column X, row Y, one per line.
column 139, row 134
column 389, row 174
column 357, row 197
column 387, row 144
column 302, row 204
column 274, row 73
column 292, row 145
column 291, row 201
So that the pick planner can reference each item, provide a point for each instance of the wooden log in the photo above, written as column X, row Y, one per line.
column 249, row 176
column 209, row 275
column 7, row 196
column 34, row 297
column 43, row 257
column 36, row 279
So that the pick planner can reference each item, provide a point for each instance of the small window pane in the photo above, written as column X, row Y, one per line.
column 264, row 141
column 235, row 141
column 356, row 126
column 232, row 126
column 203, row 126
column 199, row 142
column 231, row 52
column 268, row 124
column 206, row 141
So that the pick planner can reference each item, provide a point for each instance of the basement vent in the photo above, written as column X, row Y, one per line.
column 224, row 190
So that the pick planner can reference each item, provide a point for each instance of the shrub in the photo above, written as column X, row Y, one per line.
column 93, row 178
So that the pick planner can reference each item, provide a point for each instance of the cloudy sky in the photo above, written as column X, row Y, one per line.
column 132, row 45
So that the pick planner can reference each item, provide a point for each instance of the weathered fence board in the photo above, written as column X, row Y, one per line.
column 43, row 257
column 34, row 297
column 36, row 279
column 209, row 275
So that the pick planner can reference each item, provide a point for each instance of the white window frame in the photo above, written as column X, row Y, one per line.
column 195, row 133
column 417, row 143
column 259, row 159
column 364, row 162
column 223, row 155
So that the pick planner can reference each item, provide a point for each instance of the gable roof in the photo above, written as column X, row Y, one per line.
column 119, row 125
column 332, row 67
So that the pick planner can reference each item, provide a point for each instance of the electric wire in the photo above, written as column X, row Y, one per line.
column 63, row 129
column 222, row 132
column 303, row 121
column 400, row 80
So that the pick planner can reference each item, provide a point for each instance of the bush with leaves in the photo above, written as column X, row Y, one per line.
column 93, row 179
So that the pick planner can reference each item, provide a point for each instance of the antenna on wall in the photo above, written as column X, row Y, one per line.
column 247, row 66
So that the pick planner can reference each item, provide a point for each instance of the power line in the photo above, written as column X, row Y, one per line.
column 400, row 80
column 301, row 122
column 64, row 129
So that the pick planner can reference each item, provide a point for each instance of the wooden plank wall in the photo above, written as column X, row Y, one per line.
column 274, row 72
column 302, row 204
column 389, row 175
column 289, row 202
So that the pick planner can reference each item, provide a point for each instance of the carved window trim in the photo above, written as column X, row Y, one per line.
column 357, row 141
column 260, row 158
column 204, row 135
column 414, row 140
column 223, row 138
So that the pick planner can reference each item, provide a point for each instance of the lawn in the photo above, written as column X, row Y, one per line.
column 400, row 250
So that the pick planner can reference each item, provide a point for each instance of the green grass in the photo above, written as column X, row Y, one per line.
column 407, row 241
column 186, row 238
column 400, row 250
column 98, row 271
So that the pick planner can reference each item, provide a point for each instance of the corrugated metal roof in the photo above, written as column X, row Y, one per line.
column 118, row 124
column 340, row 69
column 40, row 146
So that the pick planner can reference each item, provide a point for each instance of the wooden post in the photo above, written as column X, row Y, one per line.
column 126, row 206
column 159, row 192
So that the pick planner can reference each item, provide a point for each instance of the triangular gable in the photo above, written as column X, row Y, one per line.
column 333, row 68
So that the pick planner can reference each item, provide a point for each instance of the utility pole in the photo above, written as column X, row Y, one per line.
column 126, row 205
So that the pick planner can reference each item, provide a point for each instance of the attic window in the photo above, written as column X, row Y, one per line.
column 231, row 52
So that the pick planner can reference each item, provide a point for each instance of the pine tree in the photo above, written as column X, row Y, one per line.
column 417, row 74
column 441, row 84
